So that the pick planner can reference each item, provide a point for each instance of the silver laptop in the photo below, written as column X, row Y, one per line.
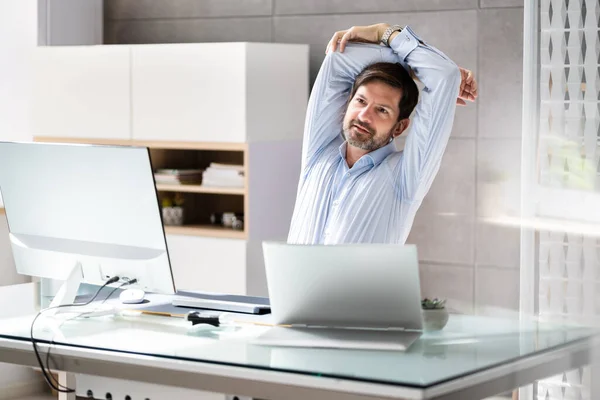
column 349, row 296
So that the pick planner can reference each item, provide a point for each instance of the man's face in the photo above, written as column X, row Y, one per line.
column 372, row 116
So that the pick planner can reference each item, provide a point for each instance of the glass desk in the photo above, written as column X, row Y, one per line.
column 473, row 357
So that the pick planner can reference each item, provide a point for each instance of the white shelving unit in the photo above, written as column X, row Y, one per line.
column 192, row 104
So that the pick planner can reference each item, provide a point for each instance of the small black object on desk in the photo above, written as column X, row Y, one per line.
column 196, row 318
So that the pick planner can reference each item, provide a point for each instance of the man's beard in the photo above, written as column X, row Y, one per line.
column 363, row 140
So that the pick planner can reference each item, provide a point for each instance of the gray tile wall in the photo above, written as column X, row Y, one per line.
column 465, row 254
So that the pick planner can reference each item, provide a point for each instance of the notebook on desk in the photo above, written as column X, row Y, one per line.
column 222, row 302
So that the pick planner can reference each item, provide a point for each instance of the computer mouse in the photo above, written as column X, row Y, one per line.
column 132, row 296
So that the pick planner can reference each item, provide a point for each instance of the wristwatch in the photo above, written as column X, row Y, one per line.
column 388, row 32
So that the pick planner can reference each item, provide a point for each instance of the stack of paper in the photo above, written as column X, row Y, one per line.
column 223, row 175
column 178, row 176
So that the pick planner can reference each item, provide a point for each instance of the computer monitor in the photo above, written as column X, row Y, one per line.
column 84, row 213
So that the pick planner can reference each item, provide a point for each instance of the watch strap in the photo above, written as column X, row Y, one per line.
column 388, row 32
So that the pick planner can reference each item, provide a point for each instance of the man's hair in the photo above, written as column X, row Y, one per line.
column 395, row 75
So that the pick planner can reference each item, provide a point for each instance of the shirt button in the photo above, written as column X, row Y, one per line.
column 336, row 203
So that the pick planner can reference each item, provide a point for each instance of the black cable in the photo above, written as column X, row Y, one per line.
column 52, row 342
column 130, row 282
column 49, row 359
column 51, row 380
column 47, row 376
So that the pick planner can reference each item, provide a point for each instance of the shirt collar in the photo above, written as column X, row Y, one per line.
column 376, row 156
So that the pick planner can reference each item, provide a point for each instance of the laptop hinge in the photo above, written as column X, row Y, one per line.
column 395, row 328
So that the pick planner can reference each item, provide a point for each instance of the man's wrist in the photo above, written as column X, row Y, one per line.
column 389, row 34
column 383, row 27
column 392, row 37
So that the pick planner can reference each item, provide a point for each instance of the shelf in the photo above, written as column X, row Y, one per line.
column 199, row 189
column 205, row 230
column 198, row 230
column 154, row 144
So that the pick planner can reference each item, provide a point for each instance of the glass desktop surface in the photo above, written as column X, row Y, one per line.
column 467, row 344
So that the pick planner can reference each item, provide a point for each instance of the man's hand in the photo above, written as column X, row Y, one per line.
column 365, row 34
column 468, row 87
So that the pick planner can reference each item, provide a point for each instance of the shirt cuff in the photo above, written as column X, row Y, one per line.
column 405, row 42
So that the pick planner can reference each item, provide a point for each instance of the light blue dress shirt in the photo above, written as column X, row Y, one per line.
column 376, row 200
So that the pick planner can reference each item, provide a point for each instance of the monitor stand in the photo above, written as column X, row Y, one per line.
column 67, row 292
column 66, row 296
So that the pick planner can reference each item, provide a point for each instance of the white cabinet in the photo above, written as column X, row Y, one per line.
column 192, row 92
column 219, row 92
column 209, row 264
column 82, row 92
column 189, row 92
column 24, row 25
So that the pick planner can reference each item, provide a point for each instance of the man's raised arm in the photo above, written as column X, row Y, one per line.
column 432, row 123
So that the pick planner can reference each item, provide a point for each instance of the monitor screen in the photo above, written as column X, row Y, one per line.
column 87, row 205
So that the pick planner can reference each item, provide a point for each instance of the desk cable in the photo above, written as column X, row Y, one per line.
column 48, row 377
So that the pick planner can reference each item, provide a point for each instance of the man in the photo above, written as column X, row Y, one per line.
column 355, row 187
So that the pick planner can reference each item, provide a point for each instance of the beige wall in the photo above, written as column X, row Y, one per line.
column 464, row 258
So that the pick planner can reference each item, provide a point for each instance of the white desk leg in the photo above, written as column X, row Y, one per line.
column 66, row 379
